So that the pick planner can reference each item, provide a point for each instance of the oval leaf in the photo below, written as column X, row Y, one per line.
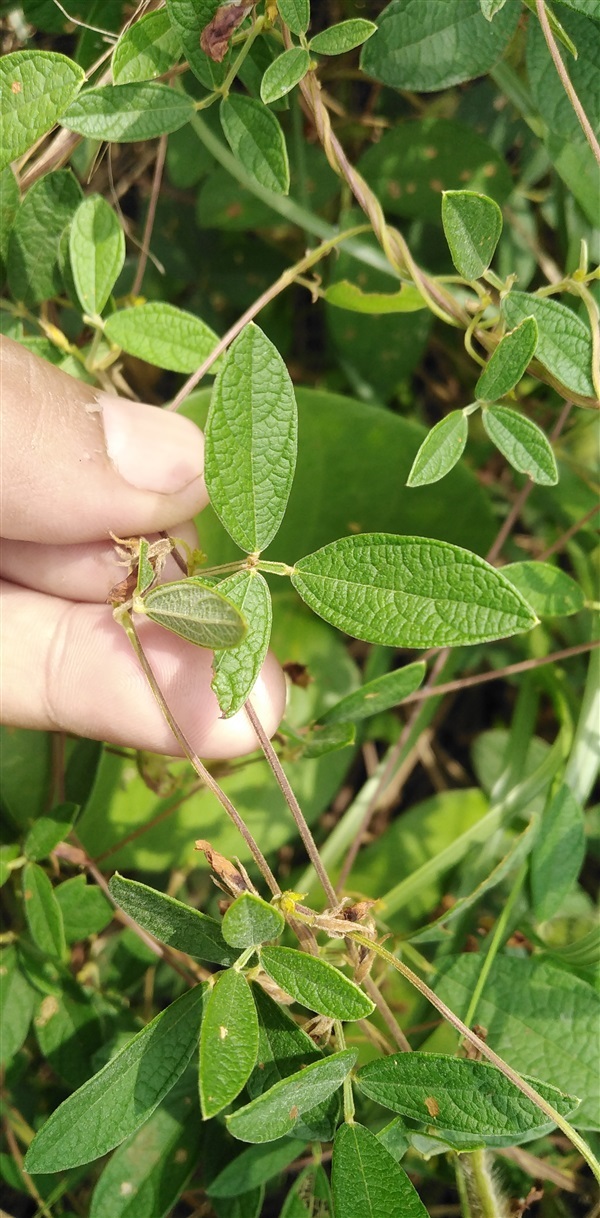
column 228, row 1042
column 97, row 252
column 35, row 89
column 509, row 361
column 456, row 1094
column 367, row 1181
column 117, row 1100
column 378, row 695
column 43, row 913
column 558, row 853
column 250, row 921
column 257, row 141
column 472, row 224
column 162, row 334
column 275, row 1112
column 195, row 612
column 523, row 444
column 343, row 37
column 410, row 592
column 172, row 922
column 349, row 296
column 146, row 49
column 315, row 984
column 284, row 73
column 236, row 669
column 549, row 591
column 296, row 14
column 251, row 440
column 126, row 113
column 440, row 450
column 253, row 1167
column 47, row 831
column 564, row 344
column 33, row 247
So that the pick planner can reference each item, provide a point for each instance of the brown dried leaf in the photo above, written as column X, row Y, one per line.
column 298, row 674
column 233, row 879
column 214, row 39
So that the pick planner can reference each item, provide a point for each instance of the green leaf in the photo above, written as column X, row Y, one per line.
column 68, row 1032
column 189, row 18
column 9, row 205
column 552, row 102
column 284, row 73
column 315, row 984
column 251, row 440
column 48, row 831
column 162, row 334
column 549, row 591
column 283, row 1047
column 378, row 695
column 125, row 114
column 171, row 922
column 256, row 139
column 17, row 1002
column 318, row 740
column 35, row 89
column 440, row 450
column 440, row 45
column 472, row 224
column 522, row 442
column 43, row 913
column 255, row 1166
column 296, row 14
column 366, row 1181
column 558, row 854
column 564, row 341
column 456, row 1094
column 228, row 1042
column 84, row 908
column 250, row 921
column 348, row 295
column 309, row 1196
column 276, row 1111
column 97, row 252
column 236, row 669
column 508, row 362
column 195, row 612
column 145, row 50
column 342, row 37
column 32, row 261
column 489, row 8
column 117, row 1100
column 409, row 592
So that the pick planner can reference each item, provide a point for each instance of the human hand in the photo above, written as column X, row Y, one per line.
column 76, row 465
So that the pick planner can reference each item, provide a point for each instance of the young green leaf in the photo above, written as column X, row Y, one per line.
column 162, row 334
column 125, row 114
column 377, row 695
column 195, row 612
column 472, row 224
column 17, row 1003
column 256, row 139
column 33, row 246
column 43, row 912
column 228, row 1042
column 283, row 74
column 124, row 1093
column 564, row 344
column 366, row 1181
column 441, row 449
column 315, row 984
column 97, row 252
column 48, row 831
column 296, row 14
column 558, row 853
column 172, row 922
column 250, row 921
column 84, row 908
column 343, row 37
column 146, row 49
column 276, row 1111
column 410, row 592
column 456, row 1094
column 255, row 1166
column 349, row 296
column 251, row 440
column 549, row 591
column 236, row 669
column 523, row 444
column 35, row 89
column 509, row 361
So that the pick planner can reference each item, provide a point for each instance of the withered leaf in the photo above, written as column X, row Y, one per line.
column 214, row 39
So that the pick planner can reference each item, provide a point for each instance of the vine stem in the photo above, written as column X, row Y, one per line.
column 481, row 678
column 565, row 79
column 159, row 166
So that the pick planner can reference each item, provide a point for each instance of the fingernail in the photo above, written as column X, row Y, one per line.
column 152, row 449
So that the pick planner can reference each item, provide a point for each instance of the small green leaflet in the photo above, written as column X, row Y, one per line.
column 317, row 740
column 410, row 592
column 236, row 668
column 343, row 37
column 33, row 246
column 97, row 252
column 441, row 449
column 489, row 8
column 283, row 74
column 558, row 853
column 315, row 984
column 256, row 139
column 276, row 1111
column 125, row 114
column 35, row 89
column 254, row 1166
column 377, row 695
column 162, row 334
column 117, row 1100
column 549, row 591
column 509, row 361
column 250, row 921
column 472, row 225
column 456, row 1094
column 347, row 295
column 171, row 922
column 228, row 1042
column 43, row 913
column 296, row 14
column 366, row 1181
column 17, row 1003
column 564, row 341
column 195, row 612
column 146, row 49
column 523, row 444
column 251, row 440
column 47, row 831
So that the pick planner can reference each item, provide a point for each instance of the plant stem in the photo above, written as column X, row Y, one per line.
column 349, row 1108
column 159, row 166
column 483, row 1185
column 565, row 79
column 510, row 670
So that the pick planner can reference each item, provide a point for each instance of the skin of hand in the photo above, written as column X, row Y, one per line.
column 78, row 464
